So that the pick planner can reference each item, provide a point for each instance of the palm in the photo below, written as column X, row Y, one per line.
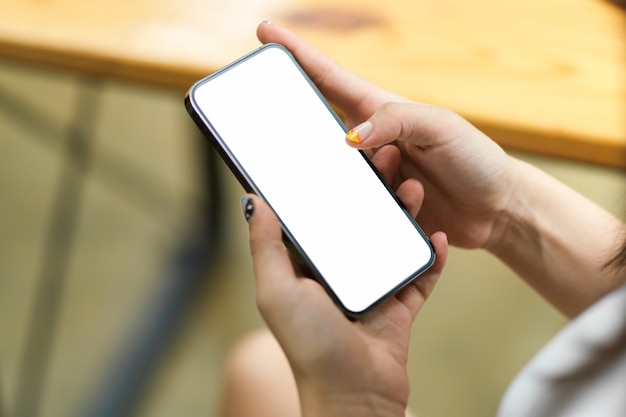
column 367, row 356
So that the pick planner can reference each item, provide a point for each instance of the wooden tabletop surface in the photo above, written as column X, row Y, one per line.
column 548, row 76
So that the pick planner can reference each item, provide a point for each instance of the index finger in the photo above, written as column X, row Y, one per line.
column 351, row 94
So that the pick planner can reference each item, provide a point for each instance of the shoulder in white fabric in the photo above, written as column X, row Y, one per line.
column 581, row 372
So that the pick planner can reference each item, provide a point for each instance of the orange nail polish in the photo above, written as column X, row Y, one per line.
column 360, row 133
column 353, row 136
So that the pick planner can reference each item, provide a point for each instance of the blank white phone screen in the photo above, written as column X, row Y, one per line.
column 284, row 139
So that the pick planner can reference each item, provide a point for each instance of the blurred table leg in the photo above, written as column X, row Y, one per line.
column 56, row 254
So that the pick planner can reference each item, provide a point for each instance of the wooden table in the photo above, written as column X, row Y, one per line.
column 547, row 76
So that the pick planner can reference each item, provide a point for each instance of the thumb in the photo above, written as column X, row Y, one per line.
column 422, row 125
column 273, row 270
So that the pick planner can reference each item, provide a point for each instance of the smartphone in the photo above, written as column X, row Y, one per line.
column 284, row 142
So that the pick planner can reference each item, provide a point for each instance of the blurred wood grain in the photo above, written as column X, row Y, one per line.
column 547, row 76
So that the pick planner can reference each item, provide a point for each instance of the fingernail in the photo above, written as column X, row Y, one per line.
column 360, row 133
column 267, row 22
column 248, row 207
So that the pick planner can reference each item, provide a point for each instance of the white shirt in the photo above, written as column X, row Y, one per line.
column 581, row 372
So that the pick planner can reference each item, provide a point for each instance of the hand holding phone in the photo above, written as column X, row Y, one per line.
column 283, row 141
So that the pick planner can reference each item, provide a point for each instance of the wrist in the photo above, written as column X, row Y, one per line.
column 327, row 401
column 514, row 219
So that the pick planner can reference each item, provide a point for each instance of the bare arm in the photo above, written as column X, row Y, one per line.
column 558, row 241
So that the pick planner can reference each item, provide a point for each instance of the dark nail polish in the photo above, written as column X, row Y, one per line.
column 248, row 207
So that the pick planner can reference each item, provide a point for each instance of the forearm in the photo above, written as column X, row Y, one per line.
column 558, row 241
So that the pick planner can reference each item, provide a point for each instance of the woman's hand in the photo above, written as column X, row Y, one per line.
column 554, row 238
column 341, row 367
column 467, row 178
